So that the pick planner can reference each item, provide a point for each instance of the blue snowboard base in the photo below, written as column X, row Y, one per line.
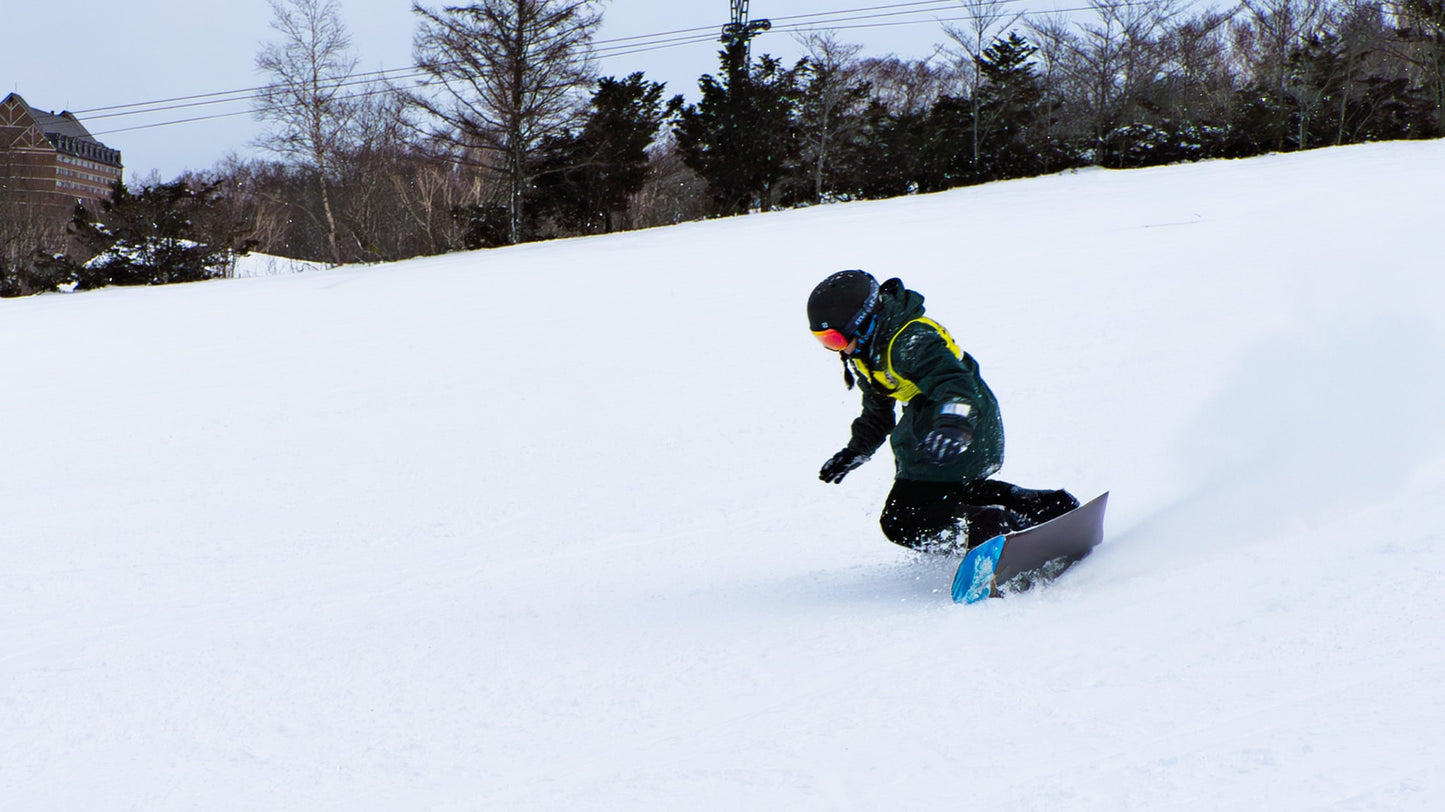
column 1031, row 551
column 974, row 580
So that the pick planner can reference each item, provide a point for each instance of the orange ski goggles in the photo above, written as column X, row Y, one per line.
column 832, row 339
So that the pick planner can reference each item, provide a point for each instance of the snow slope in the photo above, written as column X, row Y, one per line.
column 254, row 264
column 540, row 528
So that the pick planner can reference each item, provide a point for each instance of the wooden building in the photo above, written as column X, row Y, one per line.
column 50, row 161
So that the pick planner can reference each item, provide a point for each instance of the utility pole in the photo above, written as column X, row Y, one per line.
column 737, row 37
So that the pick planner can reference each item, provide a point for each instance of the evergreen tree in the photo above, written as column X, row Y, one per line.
column 1010, row 105
column 891, row 156
column 584, row 181
column 742, row 136
column 945, row 158
column 1261, row 121
column 963, row 140
column 150, row 237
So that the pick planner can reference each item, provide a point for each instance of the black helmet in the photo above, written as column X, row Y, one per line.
column 840, row 305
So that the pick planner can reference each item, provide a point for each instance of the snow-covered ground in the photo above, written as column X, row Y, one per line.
column 540, row 528
column 257, row 264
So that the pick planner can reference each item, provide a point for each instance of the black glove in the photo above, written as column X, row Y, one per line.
column 838, row 467
column 948, row 439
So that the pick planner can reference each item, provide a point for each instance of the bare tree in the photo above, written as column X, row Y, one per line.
column 1202, row 77
column 1055, row 41
column 430, row 194
column 248, row 191
column 1281, row 25
column 365, row 205
column 1422, row 46
column 987, row 20
column 27, row 231
column 504, row 75
column 311, row 98
column 1110, row 61
column 833, row 105
column 905, row 87
column 672, row 193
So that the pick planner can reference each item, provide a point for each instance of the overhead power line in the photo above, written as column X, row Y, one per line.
column 351, row 96
column 849, row 19
column 941, row 5
column 607, row 48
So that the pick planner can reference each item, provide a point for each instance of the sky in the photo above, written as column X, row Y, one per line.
column 149, row 50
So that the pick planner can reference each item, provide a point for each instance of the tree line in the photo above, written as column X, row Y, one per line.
column 510, row 135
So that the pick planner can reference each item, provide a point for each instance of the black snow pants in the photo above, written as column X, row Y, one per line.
column 948, row 517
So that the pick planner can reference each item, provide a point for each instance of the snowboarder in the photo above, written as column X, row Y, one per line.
column 950, row 438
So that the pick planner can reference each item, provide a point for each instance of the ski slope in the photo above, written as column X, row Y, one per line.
column 540, row 528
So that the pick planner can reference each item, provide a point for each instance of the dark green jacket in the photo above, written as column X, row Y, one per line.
column 920, row 354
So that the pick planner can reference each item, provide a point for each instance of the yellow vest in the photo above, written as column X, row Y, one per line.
column 887, row 379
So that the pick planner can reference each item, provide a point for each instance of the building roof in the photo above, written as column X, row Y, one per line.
column 64, row 123
column 67, row 134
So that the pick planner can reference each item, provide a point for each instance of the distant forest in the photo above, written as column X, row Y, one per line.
column 511, row 136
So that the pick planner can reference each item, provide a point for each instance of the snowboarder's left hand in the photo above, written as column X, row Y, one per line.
column 950, row 436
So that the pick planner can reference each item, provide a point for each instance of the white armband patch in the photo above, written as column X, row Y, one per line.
column 957, row 407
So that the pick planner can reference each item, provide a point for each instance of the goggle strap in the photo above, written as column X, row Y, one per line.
column 869, row 304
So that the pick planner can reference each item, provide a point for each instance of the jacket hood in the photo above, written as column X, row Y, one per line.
column 897, row 305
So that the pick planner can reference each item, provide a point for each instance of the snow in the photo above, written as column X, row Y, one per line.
column 540, row 527
column 258, row 264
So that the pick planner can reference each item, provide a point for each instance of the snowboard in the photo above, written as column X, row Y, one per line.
column 1015, row 560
